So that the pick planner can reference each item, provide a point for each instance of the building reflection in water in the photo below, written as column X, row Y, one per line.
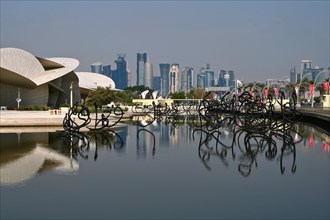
column 24, row 155
column 312, row 138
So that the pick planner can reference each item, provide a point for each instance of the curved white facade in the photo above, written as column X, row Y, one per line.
column 43, row 81
column 90, row 81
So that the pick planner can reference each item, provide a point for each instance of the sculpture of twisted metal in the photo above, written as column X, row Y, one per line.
column 257, row 126
column 79, row 117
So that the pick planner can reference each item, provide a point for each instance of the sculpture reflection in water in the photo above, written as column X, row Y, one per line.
column 258, row 125
column 257, row 128
column 100, row 131
column 156, row 114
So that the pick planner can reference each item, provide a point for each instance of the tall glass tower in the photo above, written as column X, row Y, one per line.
column 156, row 83
column 231, row 79
column 174, row 78
column 148, row 74
column 120, row 75
column 205, row 78
column 97, row 67
column 187, row 78
column 164, row 78
column 293, row 75
column 107, row 70
column 221, row 79
column 141, row 59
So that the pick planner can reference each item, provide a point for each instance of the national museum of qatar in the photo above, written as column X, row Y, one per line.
column 35, row 81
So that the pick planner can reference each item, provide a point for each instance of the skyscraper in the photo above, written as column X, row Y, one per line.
column 187, row 78
column 148, row 74
column 205, row 78
column 120, row 75
column 141, row 59
column 231, row 79
column 107, row 70
column 97, row 67
column 306, row 64
column 156, row 83
column 164, row 77
column 174, row 78
column 221, row 78
column 200, row 80
column 293, row 75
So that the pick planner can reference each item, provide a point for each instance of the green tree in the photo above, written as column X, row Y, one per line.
column 104, row 96
column 198, row 93
column 178, row 95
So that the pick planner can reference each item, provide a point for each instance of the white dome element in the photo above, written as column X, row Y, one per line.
column 69, row 65
column 91, row 81
column 20, row 62
column 23, row 63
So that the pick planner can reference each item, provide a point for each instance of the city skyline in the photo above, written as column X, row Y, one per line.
column 255, row 39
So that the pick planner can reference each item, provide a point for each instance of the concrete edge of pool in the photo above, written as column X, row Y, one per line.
column 320, row 118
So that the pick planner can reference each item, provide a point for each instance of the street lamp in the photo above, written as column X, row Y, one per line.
column 18, row 100
column 71, row 94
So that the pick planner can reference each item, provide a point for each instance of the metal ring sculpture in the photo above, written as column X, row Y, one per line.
column 257, row 128
column 79, row 117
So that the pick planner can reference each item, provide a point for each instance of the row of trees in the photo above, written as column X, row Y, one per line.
column 104, row 96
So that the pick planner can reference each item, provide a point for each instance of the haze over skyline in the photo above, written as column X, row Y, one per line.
column 256, row 39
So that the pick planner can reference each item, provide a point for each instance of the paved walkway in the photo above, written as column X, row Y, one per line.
column 33, row 118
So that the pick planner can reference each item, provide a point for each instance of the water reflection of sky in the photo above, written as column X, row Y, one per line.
column 158, row 173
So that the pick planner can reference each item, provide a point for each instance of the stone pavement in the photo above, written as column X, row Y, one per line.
column 12, row 118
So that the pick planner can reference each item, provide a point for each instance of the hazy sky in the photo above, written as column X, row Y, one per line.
column 256, row 39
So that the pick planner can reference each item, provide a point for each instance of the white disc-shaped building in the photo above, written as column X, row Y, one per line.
column 36, row 81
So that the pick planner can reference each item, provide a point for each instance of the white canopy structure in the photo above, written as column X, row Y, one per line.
column 43, row 81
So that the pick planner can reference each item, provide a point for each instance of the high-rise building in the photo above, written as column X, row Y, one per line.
column 299, row 76
column 221, row 78
column 187, row 78
column 200, row 80
column 164, row 77
column 141, row 59
column 129, row 77
column 231, row 79
column 156, row 83
column 205, row 78
column 120, row 75
column 306, row 64
column 97, row 67
column 293, row 75
column 107, row 70
column 174, row 78
column 148, row 74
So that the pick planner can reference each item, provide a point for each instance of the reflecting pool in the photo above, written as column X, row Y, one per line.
column 164, row 171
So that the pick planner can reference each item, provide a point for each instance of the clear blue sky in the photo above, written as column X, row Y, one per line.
column 256, row 39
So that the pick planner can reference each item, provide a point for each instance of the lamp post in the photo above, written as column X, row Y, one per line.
column 71, row 94
column 18, row 100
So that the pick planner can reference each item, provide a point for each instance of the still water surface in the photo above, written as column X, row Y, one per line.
column 161, row 173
